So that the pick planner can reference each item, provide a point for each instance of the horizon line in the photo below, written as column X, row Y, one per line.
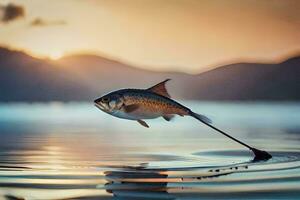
column 239, row 60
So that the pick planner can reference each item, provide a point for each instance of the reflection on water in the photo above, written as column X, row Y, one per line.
column 137, row 183
column 73, row 151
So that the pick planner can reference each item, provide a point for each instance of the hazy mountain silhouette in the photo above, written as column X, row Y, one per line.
column 84, row 77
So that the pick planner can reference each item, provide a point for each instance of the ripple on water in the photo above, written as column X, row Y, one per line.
column 163, row 177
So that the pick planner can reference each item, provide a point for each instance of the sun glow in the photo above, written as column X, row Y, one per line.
column 55, row 55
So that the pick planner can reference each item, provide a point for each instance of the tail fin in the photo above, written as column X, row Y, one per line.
column 202, row 118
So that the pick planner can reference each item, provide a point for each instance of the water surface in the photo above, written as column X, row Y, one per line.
column 74, row 151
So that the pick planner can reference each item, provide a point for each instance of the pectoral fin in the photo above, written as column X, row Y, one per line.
column 130, row 108
column 143, row 123
column 168, row 117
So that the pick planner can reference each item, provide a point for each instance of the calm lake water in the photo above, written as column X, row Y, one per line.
column 74, row 151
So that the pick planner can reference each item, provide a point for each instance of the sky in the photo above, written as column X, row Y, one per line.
column 178, row 35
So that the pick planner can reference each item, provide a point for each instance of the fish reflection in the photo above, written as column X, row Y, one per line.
column 137, row 183
column 140, row 182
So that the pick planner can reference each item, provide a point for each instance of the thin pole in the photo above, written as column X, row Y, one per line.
column 220, row 131
column 259, row 154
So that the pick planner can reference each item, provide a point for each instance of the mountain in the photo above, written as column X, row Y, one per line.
column 251, row 81
column 84, row 77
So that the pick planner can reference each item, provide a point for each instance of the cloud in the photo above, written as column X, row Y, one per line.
column 11, row 12
column 42, row 22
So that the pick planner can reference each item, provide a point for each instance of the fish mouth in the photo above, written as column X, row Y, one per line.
column 99, row 106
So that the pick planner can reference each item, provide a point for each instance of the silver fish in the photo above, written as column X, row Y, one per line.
column 140, row 104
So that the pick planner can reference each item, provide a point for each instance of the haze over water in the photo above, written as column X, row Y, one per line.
column 74, row 151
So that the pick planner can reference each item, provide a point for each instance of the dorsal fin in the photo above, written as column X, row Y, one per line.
column 160, row 88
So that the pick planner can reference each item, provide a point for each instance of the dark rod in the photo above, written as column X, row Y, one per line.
column 259, row 154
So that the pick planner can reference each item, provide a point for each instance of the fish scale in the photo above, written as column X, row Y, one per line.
column 154, row 102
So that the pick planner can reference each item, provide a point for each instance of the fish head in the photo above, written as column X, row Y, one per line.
column 110, row 103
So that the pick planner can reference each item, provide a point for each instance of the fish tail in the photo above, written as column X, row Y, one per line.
column 201, row 118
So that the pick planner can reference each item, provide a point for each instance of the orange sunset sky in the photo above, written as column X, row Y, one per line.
column 183, row 35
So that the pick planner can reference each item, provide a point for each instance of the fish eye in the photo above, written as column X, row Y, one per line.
column 105, row 99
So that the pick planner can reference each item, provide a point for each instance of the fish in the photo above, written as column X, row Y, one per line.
column 143, row 104
column 154, row 102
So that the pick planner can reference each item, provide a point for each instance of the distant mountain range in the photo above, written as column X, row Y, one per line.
column 85, row 77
